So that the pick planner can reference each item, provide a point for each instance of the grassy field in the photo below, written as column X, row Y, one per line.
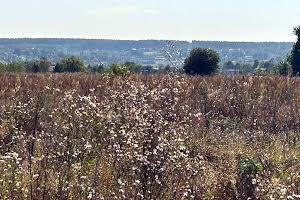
column 149, row 137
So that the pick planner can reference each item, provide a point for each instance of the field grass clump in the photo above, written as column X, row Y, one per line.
column 85, row 136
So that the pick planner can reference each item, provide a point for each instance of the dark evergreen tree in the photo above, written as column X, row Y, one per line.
column 202, row 61
column 295, row 55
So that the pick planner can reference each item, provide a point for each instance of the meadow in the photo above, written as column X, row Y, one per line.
column 83, row 136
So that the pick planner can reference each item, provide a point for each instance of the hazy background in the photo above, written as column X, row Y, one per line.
column 231, row 20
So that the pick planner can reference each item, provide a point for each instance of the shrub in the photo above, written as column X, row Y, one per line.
column 15, row 67
column 283, row 68
column 70, row 64
column 202, row 62
column 122, row 69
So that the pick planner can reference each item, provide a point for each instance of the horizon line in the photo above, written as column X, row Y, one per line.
column 149, row 39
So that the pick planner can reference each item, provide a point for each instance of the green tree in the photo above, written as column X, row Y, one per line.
column 121, row 69
column 202, row 61
column 267, row 65
column 130, row 66
column 295, row 55
column 229, row 65
column 39, row 66
column 70, row 64
column 15, row 67
column 2, row 68
column 282, row 68
column 44, row 65
column 244, row 68
column 99, row 68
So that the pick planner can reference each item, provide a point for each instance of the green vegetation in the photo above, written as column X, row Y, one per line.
column 202, row 62
column 119, row 51
column 37, row 66
column 122, row 69
column 283, row 68
column 40, row 66
column 99, row 68
column 295, row 56
column 15, row 67
column 70, row 64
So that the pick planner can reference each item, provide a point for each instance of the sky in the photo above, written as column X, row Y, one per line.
column 221, row 20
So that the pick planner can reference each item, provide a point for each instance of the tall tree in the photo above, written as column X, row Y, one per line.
column 295, row 55
column 202, row 61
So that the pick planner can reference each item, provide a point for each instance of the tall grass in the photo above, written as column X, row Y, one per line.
column 149, row 137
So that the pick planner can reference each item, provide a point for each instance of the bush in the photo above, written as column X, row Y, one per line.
column 15, row 67
column 2, row 67
column 247, row 171
column 70, row 64
column 202, row 62
column 283, row 68
column 99, row 68
column 38, row 66
column 122, row 69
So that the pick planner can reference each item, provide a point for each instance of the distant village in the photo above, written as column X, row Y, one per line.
column 236, row 57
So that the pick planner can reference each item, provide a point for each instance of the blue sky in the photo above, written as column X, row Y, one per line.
column 231, row 20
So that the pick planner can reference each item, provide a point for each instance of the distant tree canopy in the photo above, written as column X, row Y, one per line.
column 295, row 55
column 256, row 64
column 123, row 69
column 41, row 65
column 282, row 68
column 2, row 67
column 267, row 65
column 38, row 66
column 99, row 68
column 35, row 66
column 15, row 67
column 202, row 61
column 70, row 64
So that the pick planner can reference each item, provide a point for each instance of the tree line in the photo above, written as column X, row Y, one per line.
column 71, row 64
column 201, row 61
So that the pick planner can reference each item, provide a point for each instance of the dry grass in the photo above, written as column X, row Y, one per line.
column 149, row 137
